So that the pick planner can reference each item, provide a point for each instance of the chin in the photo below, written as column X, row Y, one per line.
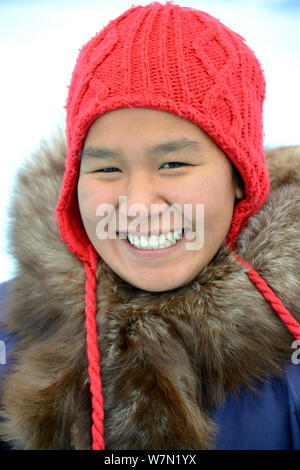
column 157, row 285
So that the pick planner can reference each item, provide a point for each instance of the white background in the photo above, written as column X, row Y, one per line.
column 39, row 44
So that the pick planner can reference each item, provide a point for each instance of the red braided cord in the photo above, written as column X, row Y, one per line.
column 283, row 313
column 94, row 355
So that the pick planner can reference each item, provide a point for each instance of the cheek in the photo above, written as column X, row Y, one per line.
column 219, row 205
column 90, row 196
column 216, row 193
column 86, row 201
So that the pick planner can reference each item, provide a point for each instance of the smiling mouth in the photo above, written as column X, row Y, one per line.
column 155, row 242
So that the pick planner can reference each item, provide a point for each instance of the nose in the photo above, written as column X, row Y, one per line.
column 142, row 198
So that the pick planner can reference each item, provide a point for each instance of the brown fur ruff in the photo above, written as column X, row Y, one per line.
column 166, row 358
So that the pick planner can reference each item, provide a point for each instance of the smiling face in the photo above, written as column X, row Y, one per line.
column 131, row 152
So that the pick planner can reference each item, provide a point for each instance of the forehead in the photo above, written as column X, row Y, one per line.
column 142, row 113
column 141, row 125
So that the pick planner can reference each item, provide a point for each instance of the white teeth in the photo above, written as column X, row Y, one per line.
column 154, row 242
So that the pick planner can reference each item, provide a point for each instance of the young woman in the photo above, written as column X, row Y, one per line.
column 179, row 329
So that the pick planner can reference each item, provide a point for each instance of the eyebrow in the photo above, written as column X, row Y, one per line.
column 160, row 149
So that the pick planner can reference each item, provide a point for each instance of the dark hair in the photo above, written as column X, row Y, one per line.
column 238, row 179
column 236, row 176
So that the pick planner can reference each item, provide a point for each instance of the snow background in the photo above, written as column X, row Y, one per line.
column 39, row 44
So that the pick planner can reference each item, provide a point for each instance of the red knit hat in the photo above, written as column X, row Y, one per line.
column 186, row 62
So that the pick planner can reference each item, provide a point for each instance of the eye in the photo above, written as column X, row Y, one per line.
column 174, row 163
column 106, row 170
column 112, row 168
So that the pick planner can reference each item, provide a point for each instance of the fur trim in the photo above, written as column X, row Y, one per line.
column 166, row 358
